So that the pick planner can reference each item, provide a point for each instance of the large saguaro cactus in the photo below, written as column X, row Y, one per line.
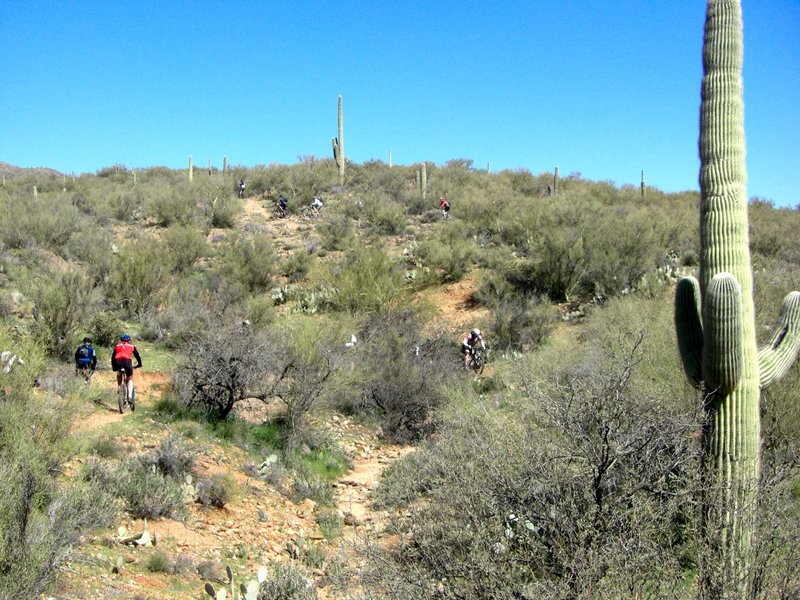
column 338, row 146
column 715, row 319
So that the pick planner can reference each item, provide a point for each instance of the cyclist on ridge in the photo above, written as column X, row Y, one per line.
column 122, row 360
column 85, row 356
column 283, row 203
column 444, row 206
column 469, row 343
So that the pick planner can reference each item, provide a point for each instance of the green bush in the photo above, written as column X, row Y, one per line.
column 216, row 490
column 41, row 518
column 185, row 245
column 168, row 206
column 141, row 271
column 60, row 302
column 366, row 280
column 146, row 494
column 104, row 328
column 286, row 582
column 249, row 262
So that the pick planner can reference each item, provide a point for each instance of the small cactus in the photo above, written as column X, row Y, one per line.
column 191, row 170
column 338, row 146
column 246, row 591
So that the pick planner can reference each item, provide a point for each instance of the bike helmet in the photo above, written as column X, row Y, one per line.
column 476, row 331
column 87, row 340
column 125, row 337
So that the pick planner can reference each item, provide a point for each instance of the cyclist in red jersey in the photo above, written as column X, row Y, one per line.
column 122, row 360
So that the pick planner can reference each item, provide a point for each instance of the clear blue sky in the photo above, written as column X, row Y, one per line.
column 598, row 87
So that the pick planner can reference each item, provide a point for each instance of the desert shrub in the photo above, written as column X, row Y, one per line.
column 40, row 518
column 336, row 230
column 621, row 247
column 772, row 230
column 185, row 245
column 92, row 247
column 159, row 562
column 104, row 328
column 366, row 280
column 145, row 493
column 568, row 493
column 45, row 222
column 105, row 447
column 400, row 375
column 249, row 262
column 222, row 365
column 173, row 457
column 297, row 266
column 385, row 216
column 286, row 582
column 215, row 490
column 222, row 211
column 141, row 271
column 450, row 255
column 60, row 302
column 308, row 484
column 166, row 205
column 330, row 522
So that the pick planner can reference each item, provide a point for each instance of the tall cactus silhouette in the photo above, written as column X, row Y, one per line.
column 715, row 320
column 338, row 146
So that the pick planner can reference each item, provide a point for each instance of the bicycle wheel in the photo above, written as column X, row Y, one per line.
column 477, row 362
column 122, row 396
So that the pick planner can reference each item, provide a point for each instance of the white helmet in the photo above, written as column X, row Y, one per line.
column 476, row 331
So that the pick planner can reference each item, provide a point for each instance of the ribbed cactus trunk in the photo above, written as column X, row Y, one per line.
column 338, row 146
column 191, row 169
column 715, row 317
column 424, row 184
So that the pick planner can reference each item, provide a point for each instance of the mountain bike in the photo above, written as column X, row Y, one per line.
column 310, row 212
column 477, row 360
column 279, row 213
column 122, row 393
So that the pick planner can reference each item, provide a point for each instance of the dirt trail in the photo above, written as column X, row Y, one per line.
column 259, row 525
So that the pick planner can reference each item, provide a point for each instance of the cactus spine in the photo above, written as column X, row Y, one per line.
column 338, row 146
column 715, row 319
column 191, row 171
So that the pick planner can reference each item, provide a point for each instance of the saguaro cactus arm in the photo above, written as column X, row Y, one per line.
column 723, row 355
column 777, row 357
column 689, row 329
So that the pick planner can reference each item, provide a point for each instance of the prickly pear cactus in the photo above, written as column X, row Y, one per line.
column 715, row 320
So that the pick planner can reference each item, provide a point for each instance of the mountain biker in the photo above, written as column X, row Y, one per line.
column 85, row 356
column 470, row 342
column 122, row 360
column 283, row 203
column 240, row 188
column 444, row 206
column 316, row 204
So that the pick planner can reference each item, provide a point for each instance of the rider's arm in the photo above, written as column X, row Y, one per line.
column 94, row 359
column 137, row 357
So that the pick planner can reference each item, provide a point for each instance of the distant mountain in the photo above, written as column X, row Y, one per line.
column 10, row 171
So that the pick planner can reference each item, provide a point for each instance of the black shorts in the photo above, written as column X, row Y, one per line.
column 123, row 365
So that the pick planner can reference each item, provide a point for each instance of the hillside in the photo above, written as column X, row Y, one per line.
column 379, row 469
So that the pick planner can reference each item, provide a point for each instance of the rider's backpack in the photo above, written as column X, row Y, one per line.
column 84, row 353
